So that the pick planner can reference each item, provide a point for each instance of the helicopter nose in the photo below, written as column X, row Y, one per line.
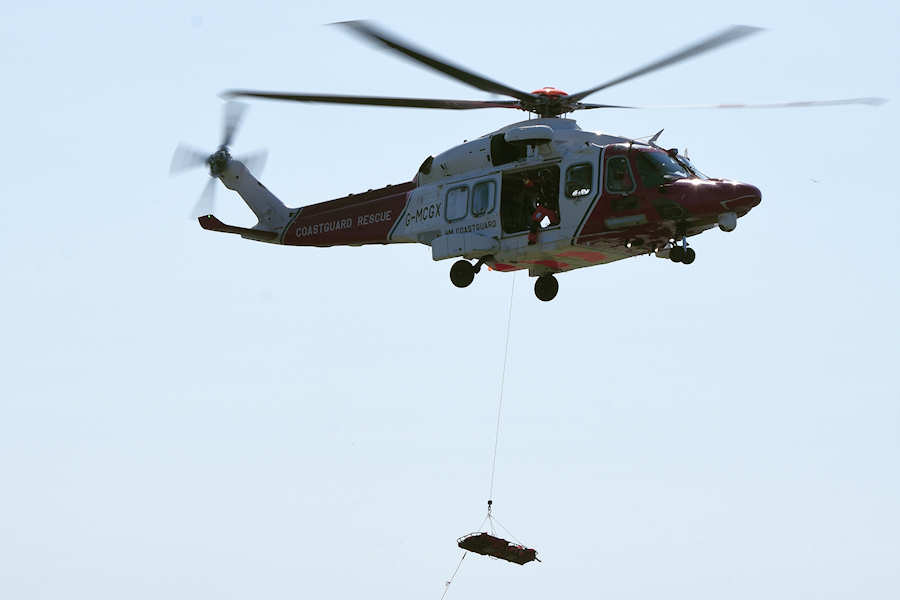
column 737, row 199
column 741, row 197
column 754, row 196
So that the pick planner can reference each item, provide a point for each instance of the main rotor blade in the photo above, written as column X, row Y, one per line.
column 727, row 36
column 368, row 31
column 582, row 106
column 186, row 158
column 796, row 104
column 206, row 204
column 233, row 115
column 375, row 100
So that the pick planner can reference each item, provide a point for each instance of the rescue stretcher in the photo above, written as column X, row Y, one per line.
column 489, row 545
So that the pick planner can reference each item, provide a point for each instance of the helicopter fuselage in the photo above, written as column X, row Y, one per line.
column 614, row 198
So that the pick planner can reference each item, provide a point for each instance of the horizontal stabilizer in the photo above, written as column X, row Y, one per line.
column 213, row 224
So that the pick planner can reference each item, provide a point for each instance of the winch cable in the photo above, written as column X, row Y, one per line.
column 449, row 581
column 512, row 292
column 458, row 565
column 489, row 517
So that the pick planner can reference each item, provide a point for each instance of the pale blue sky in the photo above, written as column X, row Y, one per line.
column 186, row 414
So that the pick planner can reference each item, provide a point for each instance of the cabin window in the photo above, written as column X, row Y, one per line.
column 578, row 180
column 482, row 198
column 457, row 203
column 618, row 175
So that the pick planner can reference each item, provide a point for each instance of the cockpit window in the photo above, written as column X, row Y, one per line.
column 656, row 168
column 618, row 175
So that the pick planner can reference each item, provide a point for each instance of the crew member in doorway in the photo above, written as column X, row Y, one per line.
column 541, row 211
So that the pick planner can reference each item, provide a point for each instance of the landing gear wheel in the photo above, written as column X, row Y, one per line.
column 689, row 256
column 545, row 288
column 462, row 273
column 676, row 254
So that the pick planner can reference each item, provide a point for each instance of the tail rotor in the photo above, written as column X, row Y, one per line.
column 187, row 158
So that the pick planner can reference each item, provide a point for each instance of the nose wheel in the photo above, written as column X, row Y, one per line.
column 682, row 254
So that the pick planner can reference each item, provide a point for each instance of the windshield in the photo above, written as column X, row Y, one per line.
column 656, row 168
column 684, row 160
column 667, row 166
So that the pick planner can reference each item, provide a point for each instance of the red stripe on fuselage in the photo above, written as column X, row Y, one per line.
column 585, row 255
column 550, row 264
column 505, row 267
column 365, row 218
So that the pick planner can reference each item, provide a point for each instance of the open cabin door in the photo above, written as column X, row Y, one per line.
column 521, row 191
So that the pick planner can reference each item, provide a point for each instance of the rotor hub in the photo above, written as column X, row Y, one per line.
column 550, row 92
column 218, row 161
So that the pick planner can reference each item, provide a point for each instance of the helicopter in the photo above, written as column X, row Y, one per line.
column 540, row 194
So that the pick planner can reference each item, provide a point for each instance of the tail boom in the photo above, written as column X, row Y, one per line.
column 354, row 220
column 357, row 219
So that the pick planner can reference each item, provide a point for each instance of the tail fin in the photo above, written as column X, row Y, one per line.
column 272, row 215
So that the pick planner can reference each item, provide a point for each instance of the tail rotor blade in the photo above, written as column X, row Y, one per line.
column 234, row 114
column 186, row 158
column 255, row 162
column 206, row 204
